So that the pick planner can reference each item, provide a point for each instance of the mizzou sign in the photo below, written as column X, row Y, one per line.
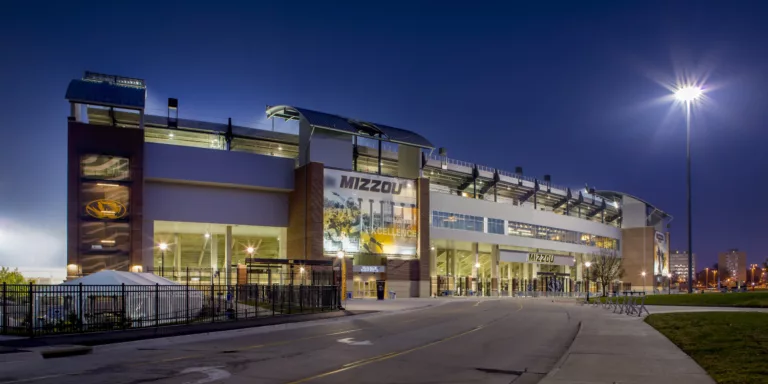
column 106, row 209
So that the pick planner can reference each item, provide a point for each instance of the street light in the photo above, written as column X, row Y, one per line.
column 688, row 95
column 163, row 247
column 587, row 264
column 340, row 255
column 706, row 279
column 669, row 284
column 643, row 274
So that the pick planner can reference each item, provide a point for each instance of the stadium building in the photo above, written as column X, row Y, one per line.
column 202, row 201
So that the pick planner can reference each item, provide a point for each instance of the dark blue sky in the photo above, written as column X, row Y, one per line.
column 574, row 90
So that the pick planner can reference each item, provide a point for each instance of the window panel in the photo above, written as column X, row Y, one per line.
column 104, row 167
column 106, row 201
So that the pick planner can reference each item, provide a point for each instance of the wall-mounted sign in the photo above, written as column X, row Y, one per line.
column 538, row 258
column 541, row 258
column 369, row 268
column 105, row 209
column 369, row 214
column 661, row 255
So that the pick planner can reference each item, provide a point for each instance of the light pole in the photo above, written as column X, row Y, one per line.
column 669, row 284
column 343, row 287
column 163, row 247
column 643, row 274
column 706, row 279
column 714, row 276
column 587, row 264
column 688, row 95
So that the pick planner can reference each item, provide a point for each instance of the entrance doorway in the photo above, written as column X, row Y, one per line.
column 364, row 287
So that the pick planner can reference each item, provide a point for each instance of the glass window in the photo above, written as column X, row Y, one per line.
column 104, row 167
column 102, row 236
column 496, row 226
column 104, row 201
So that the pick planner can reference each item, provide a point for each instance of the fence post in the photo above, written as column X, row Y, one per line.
column 124, row 317
column 157, row 305
column 187, row 294
column 80, row 306
column 31, row 318
column 213, row 308
column 5, row 308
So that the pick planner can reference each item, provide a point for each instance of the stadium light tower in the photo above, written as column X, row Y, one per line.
column 688, row 95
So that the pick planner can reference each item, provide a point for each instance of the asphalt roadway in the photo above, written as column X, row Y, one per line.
column 470, row 341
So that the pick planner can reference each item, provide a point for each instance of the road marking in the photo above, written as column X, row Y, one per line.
column 350, row 341
column 390, row 355
column 245, row 348
column 212, row 374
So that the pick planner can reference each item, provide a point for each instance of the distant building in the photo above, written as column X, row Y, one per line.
column 678, row 264
column 732, row 267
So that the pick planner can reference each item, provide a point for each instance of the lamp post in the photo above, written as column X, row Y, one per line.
column 643, row 274
column 163, row 247
column 343, row 287
column 669, row 284
column 587, row 264
column 688, row 95
column 706, row 279
column 714, row 276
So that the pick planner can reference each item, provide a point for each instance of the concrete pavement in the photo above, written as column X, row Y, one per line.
column 485, row 340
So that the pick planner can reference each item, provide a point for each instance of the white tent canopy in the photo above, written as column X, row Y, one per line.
column 118, row 278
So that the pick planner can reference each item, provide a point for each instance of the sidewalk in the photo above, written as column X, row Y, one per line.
column 611, row 348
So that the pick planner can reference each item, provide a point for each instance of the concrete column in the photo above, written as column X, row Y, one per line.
column 433, row 262
column 176, row 254
column 282, row 244
column 494, row 270
column 228, row 255
column 214, row 253
column 567, row 280
column 148, row 246
column 476, row 259
column 534, row 271
column 510, row 279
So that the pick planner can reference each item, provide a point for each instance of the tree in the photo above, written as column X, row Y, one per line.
column 11, row 277
column 606, row 268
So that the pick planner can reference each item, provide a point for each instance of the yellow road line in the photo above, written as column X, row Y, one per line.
column 247, row 347
column 383, row 357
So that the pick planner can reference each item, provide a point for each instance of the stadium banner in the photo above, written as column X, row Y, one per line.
column 661, row 255
column 369, row 214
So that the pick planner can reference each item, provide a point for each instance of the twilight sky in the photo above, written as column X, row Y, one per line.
column 573, row 89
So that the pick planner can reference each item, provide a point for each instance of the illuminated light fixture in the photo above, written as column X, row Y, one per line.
column 207, row 235
column 137, row 269
column 163, row 246
column 170, row 135
column 432, row 248
column 195, row 279
column 249, row 250
column 107, row 241
column 279, row 148
column 642, row 273
column 588, row 264
column 688, row 93
column 108, row 212
column 340, row 254
column 301, row 269
column 107, row 185
column 431, row 172
column 477, row 265
column 72, row 267
column 409, row 185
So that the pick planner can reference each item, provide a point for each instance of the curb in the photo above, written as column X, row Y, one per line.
column 552, row 372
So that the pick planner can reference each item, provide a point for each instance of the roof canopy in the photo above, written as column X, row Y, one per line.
column 118, row 278
column 103, row 93
column 338, row 123
column 618, row 196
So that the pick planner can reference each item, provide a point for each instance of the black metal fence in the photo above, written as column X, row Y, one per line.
column 267, row 275
column 35, row 310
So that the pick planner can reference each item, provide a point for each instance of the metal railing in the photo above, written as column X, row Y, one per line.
column 36, row 310
column 253, row 275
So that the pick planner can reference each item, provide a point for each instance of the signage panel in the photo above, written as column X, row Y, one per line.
column 369, row 268
column 537, row 258
column 661, row 254
column 369, row 214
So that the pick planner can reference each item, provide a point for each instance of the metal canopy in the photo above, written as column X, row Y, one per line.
column 103, row 93
column 338, row 123
column 618, row 196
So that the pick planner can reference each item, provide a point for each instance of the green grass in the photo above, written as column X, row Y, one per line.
column 743, row 299
column 731, row 346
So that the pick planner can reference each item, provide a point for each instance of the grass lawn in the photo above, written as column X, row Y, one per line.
column 743, row 299
column 731, row 346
